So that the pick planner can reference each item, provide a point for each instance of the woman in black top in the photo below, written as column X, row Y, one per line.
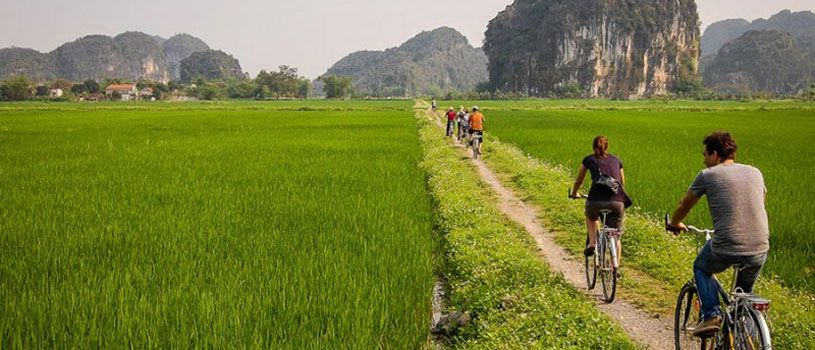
column 601, row 163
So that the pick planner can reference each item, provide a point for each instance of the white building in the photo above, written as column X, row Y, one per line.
column 127, row 91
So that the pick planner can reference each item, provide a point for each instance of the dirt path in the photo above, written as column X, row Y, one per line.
column 646, row 330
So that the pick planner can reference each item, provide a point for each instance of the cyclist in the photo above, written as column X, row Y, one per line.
column 451, row 121
column 433, row 105
column 477, row 125
column 602, row 163
column 460, row 123
column 735, row 196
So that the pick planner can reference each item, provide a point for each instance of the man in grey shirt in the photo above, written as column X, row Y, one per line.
column 735, row 195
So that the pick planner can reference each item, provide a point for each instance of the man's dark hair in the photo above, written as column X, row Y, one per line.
column 722, row 143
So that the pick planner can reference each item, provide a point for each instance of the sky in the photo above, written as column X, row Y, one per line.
column 308, row 34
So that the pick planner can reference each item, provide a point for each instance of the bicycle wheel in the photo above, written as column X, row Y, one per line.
column 749, row 331
column 591, row 271
column 608, row 273
column 686, row 317
column 475, row 148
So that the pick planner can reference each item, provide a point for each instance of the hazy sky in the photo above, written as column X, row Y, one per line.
column 308, row 34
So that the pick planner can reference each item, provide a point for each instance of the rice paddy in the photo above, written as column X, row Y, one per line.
column 228, row 225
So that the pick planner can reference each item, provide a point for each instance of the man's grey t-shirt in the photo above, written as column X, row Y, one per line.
column 735, row 195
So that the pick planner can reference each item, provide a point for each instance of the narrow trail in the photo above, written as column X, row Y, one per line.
column 651, row 332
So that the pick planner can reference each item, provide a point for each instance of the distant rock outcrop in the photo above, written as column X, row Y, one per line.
column 27, row 62
column 761, row 61
column 772, row 55
column 603, row 48
column 130, row 55
column 722, row 32
column 432, row 62
column 210, row 65
column 180, row 47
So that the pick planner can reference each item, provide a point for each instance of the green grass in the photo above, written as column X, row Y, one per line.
column 493, row 271
column 222, row 225
column 661, row 151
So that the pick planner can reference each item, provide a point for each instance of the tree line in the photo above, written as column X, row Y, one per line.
column 285, row 83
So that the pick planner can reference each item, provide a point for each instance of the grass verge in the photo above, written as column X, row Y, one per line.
column 493, row 272
column 656, row 264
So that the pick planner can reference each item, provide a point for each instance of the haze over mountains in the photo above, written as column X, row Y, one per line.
column 432, row 63
column 772, row 55
column 130, row 55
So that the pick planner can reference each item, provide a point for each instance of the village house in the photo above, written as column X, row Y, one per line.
column 56, row 93
column 146, row 94
column 127, row 91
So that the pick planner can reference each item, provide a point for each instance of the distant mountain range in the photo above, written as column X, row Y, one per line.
column 722, row 32
column 431, row 63
column 130, row 55
column 772, row 55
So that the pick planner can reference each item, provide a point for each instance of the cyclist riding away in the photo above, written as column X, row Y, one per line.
column 451, row 121
column 433, row 105
column 459, row 123
column 477, row 125
column 736, row 196
column 602, row 165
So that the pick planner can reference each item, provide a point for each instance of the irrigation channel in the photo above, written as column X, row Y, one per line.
column 642, row 327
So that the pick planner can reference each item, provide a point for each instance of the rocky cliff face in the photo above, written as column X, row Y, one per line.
column 432, row 62
column 131, row 55
column 608, row 48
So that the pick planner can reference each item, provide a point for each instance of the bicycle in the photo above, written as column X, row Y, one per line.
column 605, row 261
column 476, row 143
column 744, row 326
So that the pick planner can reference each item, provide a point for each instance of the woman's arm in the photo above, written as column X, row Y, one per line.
column 622, row 177
column 581, row 175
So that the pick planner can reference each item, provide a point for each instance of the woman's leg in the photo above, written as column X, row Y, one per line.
column 591, row 231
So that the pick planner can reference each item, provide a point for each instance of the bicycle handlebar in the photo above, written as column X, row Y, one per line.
column 579, row 196
column 676, row 230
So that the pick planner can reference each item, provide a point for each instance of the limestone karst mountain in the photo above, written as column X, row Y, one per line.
column 130, row 55
column 432, row 62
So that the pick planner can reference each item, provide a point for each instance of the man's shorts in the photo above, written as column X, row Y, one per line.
column 615, row 219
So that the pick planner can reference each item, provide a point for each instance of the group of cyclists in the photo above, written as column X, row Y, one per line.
column 735, row 192
column 736, row 197
column 464, row 124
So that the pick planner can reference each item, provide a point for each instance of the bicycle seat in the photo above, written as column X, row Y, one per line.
column 605, row 211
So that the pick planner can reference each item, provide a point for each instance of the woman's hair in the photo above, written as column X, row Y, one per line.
column 600, row 146
column 722, row 143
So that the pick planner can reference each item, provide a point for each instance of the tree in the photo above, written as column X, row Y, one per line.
column 79, row 89
column 92, row 86
column 42, row 91
column 336, row 86
column 305, row 88
column 62, row 84
column 283, row 83
column 16, row 88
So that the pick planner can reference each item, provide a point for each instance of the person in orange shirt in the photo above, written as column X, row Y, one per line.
column 477, row 125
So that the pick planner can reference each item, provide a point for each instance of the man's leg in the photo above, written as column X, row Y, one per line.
column 748, row 276
column 704, row 267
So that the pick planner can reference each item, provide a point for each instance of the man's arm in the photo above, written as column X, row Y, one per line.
column 685, row 205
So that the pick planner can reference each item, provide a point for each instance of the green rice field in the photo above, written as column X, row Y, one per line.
column 232, row 225
column 660, row 144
